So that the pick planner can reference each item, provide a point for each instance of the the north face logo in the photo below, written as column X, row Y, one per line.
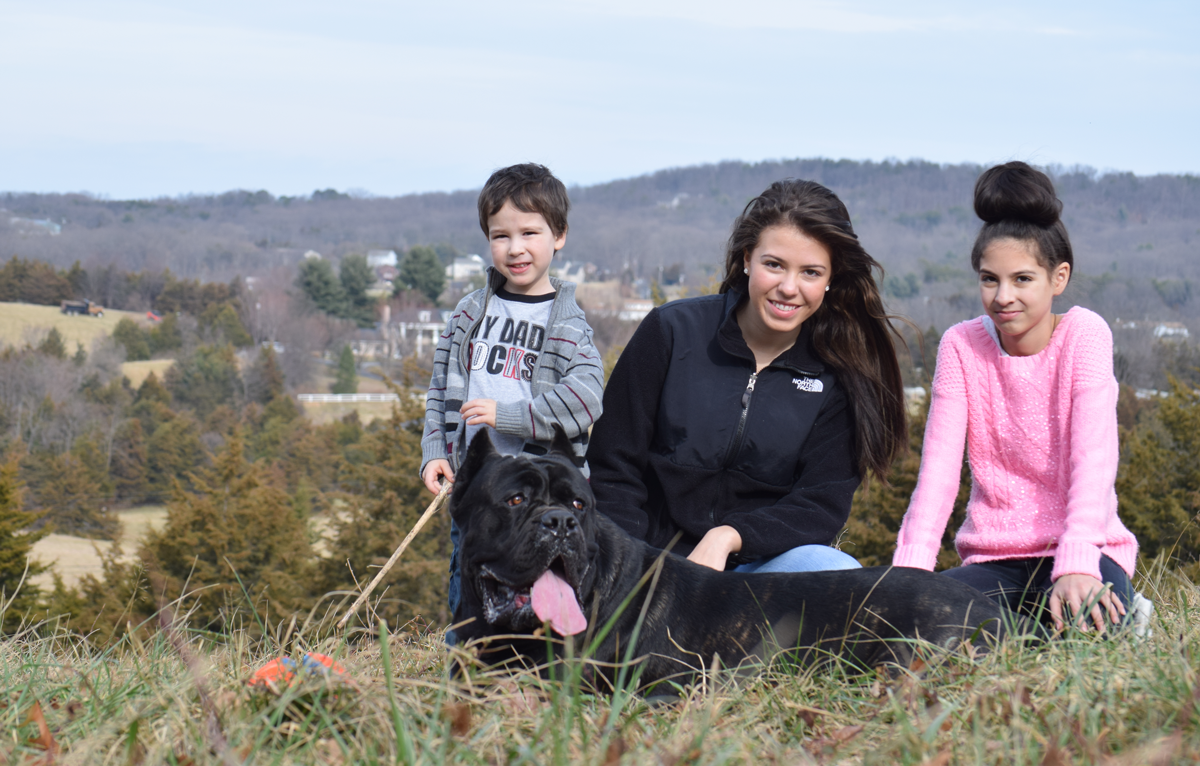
column 812, row 385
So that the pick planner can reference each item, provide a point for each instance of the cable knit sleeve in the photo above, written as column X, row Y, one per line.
column 1094, row 450
column 941, row 458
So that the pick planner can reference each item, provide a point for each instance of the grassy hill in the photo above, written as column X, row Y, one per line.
column 22, row 323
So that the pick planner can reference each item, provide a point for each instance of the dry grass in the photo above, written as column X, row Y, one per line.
column 182, row 698
column 22, row 323
column 137, row 372
column 321, row 413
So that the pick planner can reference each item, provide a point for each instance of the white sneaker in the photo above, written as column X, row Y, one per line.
column 1143, row 612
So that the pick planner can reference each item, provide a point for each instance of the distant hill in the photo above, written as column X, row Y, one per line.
column 1137, row 239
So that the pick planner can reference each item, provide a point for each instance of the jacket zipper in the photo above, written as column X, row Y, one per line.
column 740, row 434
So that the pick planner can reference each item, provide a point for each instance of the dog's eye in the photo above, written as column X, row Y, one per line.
column 578, row 504
column 516, row 500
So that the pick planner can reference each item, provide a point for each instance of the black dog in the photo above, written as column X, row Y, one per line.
column 535, row 551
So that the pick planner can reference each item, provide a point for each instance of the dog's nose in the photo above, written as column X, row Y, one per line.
column 557, row 521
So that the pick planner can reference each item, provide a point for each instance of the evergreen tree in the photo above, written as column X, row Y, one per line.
column 423, row 271
column 129, row 462
column 16, row 543
column 174, row 449
column 264, row 379
column 387, row 499
column 346, row 381
column 878, row 509
column 135, row 341
column 317, row 281
column 356, row 278
column 52, row 345
column 68, row 494
column 237, row 530
column 77, row 277
column 230, row 326
column 166, row 335
column 1158, row 484
column 205, row 379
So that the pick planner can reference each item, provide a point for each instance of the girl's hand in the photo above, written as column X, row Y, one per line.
column 479, row 412
column 434, row 469
column 1075, row 590
column 714, row 548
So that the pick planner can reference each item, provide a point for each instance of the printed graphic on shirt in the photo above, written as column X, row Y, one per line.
column 812, row 385
column 503, row 354
column 511, row 352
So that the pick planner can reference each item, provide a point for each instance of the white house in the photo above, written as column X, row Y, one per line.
column 464, row 267
column 377, row 258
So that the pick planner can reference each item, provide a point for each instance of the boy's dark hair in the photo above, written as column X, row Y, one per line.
column 532, row 188
column 1018, row 202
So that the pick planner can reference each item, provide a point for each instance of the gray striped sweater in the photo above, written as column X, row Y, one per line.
column 567, row 384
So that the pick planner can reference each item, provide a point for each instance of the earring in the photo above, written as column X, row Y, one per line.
column 826, row 288
column 745, row 270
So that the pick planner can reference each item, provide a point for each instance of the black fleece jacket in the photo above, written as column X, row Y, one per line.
column 686, row 443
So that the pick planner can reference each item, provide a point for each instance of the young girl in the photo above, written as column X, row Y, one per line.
column 1033, row 394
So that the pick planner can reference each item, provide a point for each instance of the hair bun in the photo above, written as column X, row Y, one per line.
column 1015, row 191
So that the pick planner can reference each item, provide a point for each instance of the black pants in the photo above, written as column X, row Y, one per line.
column 1023, row 585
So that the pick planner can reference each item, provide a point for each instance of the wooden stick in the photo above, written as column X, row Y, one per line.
column 437, row 503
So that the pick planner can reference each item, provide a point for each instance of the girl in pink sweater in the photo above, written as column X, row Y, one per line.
column 1033, row 395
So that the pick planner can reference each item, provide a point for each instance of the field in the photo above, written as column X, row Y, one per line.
column 137, row 372
column 181, row 697
column 22, row 323
column 73, row 557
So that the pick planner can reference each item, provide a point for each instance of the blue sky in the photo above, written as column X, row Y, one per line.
column 138, row 99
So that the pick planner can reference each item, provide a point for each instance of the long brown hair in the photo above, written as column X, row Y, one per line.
column 851, row 332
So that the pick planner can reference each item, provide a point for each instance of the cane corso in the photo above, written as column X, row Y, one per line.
column 535, row 553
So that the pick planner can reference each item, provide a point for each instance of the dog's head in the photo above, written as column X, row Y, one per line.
column 528, row 538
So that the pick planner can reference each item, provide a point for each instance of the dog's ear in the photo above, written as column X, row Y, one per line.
column 561, row 444
column 477, row 454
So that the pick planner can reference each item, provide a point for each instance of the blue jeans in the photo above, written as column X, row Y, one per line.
column 455, row 589
column 805, row 558
column 1023, row 585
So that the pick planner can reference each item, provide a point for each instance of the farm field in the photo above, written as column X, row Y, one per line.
column 73, row 557
column 137, row 372
column 22, row 323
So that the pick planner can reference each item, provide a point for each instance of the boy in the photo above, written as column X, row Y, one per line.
column 517, row 356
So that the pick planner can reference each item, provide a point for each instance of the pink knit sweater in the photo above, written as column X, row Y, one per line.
column 1042, row 435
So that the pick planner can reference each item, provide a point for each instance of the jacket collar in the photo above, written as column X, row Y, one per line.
column 799, row 358
column 495, row 280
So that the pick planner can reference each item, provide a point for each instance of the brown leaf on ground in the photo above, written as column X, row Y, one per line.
column 681, row 759
column 809, row 717
column 942, row 758
column 1056, row 756
column 330, row 752
column 917, row 665
column 45, row 739
column 616, row 749
column 459, row 717
column 1159, row 753
column 847, row 733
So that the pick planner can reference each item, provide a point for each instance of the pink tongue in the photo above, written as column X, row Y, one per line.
column 554, row 601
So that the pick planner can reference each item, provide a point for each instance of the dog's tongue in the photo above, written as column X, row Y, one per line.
column 554, row 601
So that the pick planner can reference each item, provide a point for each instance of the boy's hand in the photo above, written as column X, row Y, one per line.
column 434, row 469
column 479, row 412
column 1076, row 591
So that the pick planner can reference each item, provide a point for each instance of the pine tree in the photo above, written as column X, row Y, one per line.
column 135, row 341
column 264, row 380
column 205, row 379
column 129, row 462
column 346, row 381
column 69, row 496
column 1158, row 484
column 16, row 543
column 173, row 450
column 388, row 498
column 878, row 509
column 423, row 271
column 317, row 281
column 356, row 278
column 52, row 345
column 236, row 531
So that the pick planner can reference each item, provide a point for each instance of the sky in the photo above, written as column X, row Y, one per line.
column 128, row 99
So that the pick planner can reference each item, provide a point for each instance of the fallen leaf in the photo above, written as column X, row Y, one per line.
column 847, row 733
column 616, row 749
column 941, row 759
column 330, row 752
column 809, row 717
column 1056, row 756
column 917, row 665
column 459, row 716
column 44, row 740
